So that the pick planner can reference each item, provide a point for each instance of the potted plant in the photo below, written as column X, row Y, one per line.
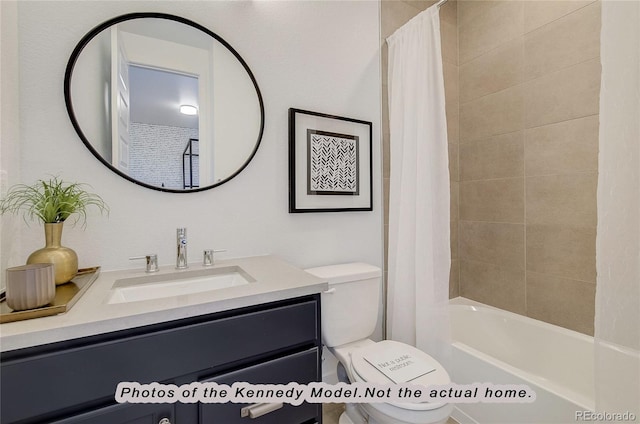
column 53, row 201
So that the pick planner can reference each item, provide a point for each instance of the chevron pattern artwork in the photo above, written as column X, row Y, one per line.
column 333, row 163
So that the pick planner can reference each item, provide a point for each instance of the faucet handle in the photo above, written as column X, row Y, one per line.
column 208, row 256
column 152, row 261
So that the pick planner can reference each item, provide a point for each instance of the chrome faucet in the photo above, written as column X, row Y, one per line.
column 208, row 256
column 152, row 262
column 181, row 258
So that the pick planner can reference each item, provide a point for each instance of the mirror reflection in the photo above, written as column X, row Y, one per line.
column 164, row 102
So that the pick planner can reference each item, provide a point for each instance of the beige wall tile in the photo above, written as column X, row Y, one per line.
column 501, row 156
column 386, row 154
column 453, row 123
column 494, row 114
column 493, row 285
column 563, row 251
column 386, row 134
column 560, row 301
column 451, row 90
column 420, row 4
column 565, row 147
column 538, row 13
column 566, row 94
column 488, row 25
column 453, row 227
column 454, row 278
column 548, row 83
column 384, row 58
column 571, row 39
column 394, row 14
column 501, row 244
column 451, row 101
column 385, row 192
column 454, row 174
column 386, row 248
column 568, row 199
column 493, row 71
column 449, row 12
column 449, row 42
column 454, row 200
column 500, row 200
column 471, row 10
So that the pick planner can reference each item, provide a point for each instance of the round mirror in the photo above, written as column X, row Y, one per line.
column 164, row 102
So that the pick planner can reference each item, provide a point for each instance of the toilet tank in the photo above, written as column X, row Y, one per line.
column 350, row 306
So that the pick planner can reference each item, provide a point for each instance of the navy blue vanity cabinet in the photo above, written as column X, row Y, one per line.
column 74, row 381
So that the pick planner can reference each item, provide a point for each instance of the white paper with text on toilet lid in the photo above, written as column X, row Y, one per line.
column 365, row 372
column 398, row 363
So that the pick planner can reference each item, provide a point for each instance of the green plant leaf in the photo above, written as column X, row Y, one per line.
column 51, row 201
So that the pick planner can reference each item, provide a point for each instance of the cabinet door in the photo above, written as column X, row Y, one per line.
column 126, row 413
column 301, row 368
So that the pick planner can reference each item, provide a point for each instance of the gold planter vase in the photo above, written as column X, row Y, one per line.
column 64, row 260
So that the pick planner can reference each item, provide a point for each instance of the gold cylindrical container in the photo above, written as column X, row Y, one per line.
column 30, row 286
column 65, row 260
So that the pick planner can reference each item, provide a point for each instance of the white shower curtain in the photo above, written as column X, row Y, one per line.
column 419, row 247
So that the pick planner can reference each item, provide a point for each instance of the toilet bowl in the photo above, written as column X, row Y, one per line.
column 353, row 357
column 349, row 315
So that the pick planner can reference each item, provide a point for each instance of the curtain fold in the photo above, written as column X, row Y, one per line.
column 419, row 232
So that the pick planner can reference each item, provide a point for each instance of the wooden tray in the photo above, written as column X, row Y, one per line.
column 66, row 296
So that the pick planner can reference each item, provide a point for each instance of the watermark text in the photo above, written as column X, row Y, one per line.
column 615, row 417
column 295, row 394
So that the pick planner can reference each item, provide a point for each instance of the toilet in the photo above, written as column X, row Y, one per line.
column 349, row 316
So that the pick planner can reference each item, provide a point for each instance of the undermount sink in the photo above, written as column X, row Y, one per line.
column 177, row 283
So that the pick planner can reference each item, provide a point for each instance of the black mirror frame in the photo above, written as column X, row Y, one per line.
column 98, row 29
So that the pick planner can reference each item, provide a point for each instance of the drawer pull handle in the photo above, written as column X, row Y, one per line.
column 259, row 409
column 164, row 421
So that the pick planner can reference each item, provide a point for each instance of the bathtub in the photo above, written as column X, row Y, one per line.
column 490, row 345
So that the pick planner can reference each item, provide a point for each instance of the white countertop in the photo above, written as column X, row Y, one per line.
column 275, row 280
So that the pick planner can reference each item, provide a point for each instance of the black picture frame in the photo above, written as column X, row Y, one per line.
column 330, row 163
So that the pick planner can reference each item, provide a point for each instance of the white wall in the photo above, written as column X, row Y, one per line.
column 618, row 239
column 234, row 98
column 92, row 75
column 321, row 56
column 9, row 131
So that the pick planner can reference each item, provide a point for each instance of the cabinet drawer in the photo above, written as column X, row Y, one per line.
column 129, row 414
column 37, row 385
column 300, row 367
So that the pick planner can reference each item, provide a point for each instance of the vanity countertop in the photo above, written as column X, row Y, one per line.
column 275, row 280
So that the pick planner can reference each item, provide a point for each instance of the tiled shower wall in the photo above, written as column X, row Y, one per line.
column 522, row 81
column 529, row 102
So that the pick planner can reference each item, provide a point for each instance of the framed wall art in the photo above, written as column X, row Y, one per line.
column 330, row 163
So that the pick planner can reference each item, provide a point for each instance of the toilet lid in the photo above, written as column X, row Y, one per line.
column 364, row 371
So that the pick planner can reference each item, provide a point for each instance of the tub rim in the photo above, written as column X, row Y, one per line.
column 561, row 391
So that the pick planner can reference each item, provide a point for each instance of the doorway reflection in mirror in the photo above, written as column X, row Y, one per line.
column 159, row 138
